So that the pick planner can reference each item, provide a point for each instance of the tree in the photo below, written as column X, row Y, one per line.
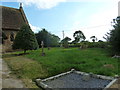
column 65, row 41
column 54, row 40
column 79, row 36
column 93, row 38
column 25, row 39
column 42, row 36
column 74, row 42
column 100, row 41
column 115, row 36
column 48, row 38
column 107, row 37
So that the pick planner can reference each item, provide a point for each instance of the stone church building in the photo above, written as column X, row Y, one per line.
column 12, row 20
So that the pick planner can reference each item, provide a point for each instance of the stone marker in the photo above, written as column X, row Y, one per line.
column 42, row 44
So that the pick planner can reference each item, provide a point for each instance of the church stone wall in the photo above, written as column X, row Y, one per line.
column 7, row 45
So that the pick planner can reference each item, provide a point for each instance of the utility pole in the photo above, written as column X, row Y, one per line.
column 63, row 38
column 63, row 34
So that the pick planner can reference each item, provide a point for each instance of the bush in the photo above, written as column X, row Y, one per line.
column 91, row 44
column 98, row 45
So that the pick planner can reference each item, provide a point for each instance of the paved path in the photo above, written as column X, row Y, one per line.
column 8, row 80
column 0, row 73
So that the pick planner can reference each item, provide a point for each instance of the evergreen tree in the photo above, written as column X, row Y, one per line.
column 25, row 39
column 115, row 36
column 65, row 42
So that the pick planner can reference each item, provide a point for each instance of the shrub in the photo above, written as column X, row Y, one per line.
column 25, row 39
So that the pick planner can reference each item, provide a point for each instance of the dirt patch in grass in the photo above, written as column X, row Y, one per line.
column 108, row 66
column 25, row 69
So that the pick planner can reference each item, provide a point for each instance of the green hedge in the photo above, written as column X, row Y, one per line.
column 91, row 44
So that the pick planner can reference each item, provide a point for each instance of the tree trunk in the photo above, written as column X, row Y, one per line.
column 24, row 51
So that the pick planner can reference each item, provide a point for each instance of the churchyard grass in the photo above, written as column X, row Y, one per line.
column 58, row 60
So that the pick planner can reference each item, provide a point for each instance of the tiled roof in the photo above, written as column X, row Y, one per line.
column 12, row 18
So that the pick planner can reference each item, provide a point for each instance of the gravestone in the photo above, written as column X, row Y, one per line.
column 42, row 45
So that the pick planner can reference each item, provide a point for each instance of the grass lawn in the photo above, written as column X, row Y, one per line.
column 57, row 60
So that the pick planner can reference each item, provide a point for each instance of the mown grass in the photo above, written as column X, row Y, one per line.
column 57, row 60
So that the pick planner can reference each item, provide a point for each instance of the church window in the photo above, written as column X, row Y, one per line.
column 12, row 36
column 4, row 37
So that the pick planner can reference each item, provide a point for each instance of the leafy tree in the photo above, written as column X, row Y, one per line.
column 107, row 37
column 25, row 39
column 42, row 36
column 100, row 41
column 48, row 38
column 93, row 38
column 79, row 36
column 74, row 42
column 65, row 41
column 115, row 36
column 54, row 40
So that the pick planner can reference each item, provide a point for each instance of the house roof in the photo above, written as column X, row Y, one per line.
column 13, row 18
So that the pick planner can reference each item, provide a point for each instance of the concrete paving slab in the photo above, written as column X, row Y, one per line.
column 8, row 80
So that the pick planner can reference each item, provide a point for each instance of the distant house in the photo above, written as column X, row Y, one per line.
column 12, row 20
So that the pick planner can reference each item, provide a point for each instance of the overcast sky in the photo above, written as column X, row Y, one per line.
column 92, row 17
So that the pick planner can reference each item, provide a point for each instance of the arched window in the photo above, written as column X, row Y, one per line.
column 12, row 36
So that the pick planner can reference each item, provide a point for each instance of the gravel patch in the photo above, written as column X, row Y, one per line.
column 74, row 80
